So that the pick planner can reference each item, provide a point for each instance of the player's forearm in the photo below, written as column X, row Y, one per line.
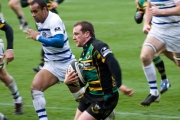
column 115, row 69
column 9, row 35
column 148, row 15
column 171, row 11
column 56, row 41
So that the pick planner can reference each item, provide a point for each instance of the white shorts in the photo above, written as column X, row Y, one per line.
column 57, row 68
column 169, row 36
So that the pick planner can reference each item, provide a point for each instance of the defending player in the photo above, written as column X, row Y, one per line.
column 159, row 63
column 53, row 36
column 52, row 5
column 162, row 36
column 5, row 77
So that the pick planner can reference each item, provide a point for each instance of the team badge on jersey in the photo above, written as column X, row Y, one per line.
column 95, row 108
column 57, row 29
column 44, row 34
column 105, row 50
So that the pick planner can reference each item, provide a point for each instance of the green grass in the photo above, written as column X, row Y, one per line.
column 114, row 24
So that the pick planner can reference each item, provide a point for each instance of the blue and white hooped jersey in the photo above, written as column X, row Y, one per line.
column 54, row 25
column 165, row 21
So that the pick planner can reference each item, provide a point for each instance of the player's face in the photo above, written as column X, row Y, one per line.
column 79, row 37
column 38, row 13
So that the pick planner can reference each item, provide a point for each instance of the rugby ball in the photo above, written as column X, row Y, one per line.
column 77, row 67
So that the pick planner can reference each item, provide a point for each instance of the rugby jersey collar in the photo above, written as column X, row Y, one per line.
column 88, row 43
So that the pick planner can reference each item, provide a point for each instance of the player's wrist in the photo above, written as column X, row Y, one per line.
column 37, row 37
column 9, row 50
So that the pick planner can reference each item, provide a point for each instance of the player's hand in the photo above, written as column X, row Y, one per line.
column 126, row 91
column 154, row 10
column 9, row 55
column 32, row 34
column 146, row 29
column 54, row 5
column 71, row 77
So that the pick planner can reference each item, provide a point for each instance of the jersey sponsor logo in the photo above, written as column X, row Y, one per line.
column 57, row 29
column 88, row 65
column 104, row 51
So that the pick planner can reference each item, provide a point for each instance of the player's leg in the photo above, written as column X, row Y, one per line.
column 176, row 56
column 2, row 117
column 42, row 80
column 150, row 47
column 11, row 85
column 165, row 84
column 15, row 6
column 169, row 55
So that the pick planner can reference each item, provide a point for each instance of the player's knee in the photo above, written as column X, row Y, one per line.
column 144, row 57
column 35, row 87
column 36, row 94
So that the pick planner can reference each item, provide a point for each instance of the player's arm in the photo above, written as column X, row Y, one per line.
column 164, row 12
column 148, row 15
column 147, row 19
column 9, row 34
column 8, row 54
column 113, row 66
column 115, row 70
column 55, row 41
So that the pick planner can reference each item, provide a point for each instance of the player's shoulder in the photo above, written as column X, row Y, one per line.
column 54, row 16
column 98, row 43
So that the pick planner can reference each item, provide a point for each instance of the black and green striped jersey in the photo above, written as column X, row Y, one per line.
column 96, row 71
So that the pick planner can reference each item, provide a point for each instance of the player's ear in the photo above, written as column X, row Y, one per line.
column 87, row 33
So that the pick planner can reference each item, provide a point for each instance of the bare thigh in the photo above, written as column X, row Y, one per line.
column 85, row 116
column 43, row 80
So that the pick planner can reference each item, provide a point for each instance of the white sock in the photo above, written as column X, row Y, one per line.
column 14, row 91
column 150, row 74
column 1, row 116
column 39, row 104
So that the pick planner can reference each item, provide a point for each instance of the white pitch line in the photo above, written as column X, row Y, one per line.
column 117, row 113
